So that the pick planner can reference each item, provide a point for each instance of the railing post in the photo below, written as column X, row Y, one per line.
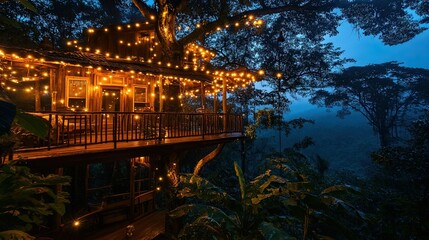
column 160, row 129
column 50, row 130
column 115, row 116
column 86, row 127
column 204, row 124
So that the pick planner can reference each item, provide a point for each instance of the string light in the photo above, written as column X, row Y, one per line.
column 195, row 57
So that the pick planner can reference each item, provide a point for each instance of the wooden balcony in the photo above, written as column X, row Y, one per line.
column 87, row 136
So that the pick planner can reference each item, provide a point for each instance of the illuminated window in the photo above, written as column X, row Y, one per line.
column 140, row 99
column 77, row 92
column 140, row 94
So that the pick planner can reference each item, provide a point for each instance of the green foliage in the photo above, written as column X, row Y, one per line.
column 268, row 207
column 223, row 215
column 26, row 198
column 28, row 5
column 34, row 124
column 6, row 21
column 15, row 235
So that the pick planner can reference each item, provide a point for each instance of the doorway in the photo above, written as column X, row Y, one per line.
column 111, row 100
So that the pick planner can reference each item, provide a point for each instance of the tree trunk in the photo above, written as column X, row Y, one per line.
column 208, row 158
column 166, row 32
column 385, row 138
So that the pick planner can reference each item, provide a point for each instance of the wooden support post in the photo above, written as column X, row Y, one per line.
column 203, row 96
column 161, row 90
column 37, row 104
column 132, row 188
column 152, row 97
column 215, row 107
column 53, row 89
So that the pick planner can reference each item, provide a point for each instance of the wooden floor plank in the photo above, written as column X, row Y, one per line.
column 146, row 228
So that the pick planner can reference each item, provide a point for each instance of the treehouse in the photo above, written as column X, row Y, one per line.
column 115, row 106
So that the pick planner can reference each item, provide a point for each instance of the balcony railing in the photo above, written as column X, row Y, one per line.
column 85, row 128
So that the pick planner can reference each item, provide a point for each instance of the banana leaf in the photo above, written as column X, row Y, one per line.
column 28, row 5
column 271, row 232
column 34, row 124
column 15, row 234
column 241, row 180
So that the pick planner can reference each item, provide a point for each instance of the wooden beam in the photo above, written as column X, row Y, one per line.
column 53, row 89
column 37, row 103
column 215, row 102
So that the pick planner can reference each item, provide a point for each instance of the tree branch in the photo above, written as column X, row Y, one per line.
column 144, row 9
column 212, row 26
column 208, row 158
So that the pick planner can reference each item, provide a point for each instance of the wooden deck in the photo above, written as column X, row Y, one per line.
column 146, row 228
column 69, row 156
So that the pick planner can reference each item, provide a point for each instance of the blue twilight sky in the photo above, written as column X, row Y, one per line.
column 370, row 50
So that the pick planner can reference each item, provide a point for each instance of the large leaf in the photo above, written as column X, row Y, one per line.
column 34, row 124
column 199, row 210
column 181, row 211
column 241, row 180
column 28, row 5
column 270, row 232
column 9, row 22
column 15, row 234
column 271, row 179
column 341, row 189
column 196, row 186
column 7, row 113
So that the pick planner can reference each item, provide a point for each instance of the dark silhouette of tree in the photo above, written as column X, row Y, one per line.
column 56, row 21
column 382, row 93
column 402, row 209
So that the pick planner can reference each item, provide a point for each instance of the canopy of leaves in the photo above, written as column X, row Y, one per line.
column 57, row 21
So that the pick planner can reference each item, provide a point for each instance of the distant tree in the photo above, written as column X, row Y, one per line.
column 403, row 208
column 382, row 93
